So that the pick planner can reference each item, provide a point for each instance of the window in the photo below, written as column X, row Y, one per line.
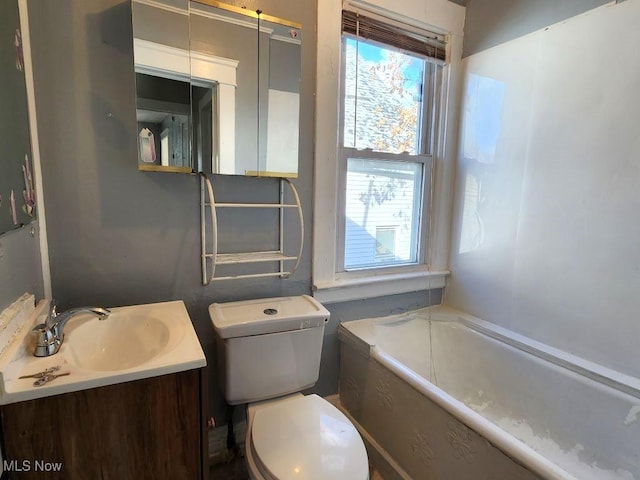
column 388, row 102
column 380, row 120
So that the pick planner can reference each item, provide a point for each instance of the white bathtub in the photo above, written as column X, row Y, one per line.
column 510, row 408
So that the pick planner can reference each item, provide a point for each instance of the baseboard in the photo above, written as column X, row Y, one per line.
column 378, row 456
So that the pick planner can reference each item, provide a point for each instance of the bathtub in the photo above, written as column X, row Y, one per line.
column 443, row 395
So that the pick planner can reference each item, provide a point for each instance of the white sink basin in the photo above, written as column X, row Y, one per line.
column 124, row 340
column 133, row 343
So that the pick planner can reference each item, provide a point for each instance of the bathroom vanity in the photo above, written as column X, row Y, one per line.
column 149, row 428
column 131, row 404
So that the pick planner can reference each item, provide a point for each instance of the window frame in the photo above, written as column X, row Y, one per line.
column 330, row 286
column 423, row 201
column 428, row 128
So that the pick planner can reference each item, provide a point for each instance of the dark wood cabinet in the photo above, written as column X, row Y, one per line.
column 154, row 428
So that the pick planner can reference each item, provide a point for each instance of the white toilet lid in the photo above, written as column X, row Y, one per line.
column 308, row 438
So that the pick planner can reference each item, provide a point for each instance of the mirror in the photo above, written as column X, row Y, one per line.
column 279, row 103
column 163, row 86
column 229, row 38
column 17, row 197
column 213, row 94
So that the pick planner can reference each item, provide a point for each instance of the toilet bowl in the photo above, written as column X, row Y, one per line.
column 303, row 437
column 268, row 351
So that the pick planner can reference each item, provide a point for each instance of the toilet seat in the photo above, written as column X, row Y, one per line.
column 305, row 438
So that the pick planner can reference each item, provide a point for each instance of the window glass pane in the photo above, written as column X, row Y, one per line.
column 383, row 98
column 382, row 213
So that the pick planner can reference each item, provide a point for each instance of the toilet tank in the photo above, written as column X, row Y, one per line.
column 268, row 347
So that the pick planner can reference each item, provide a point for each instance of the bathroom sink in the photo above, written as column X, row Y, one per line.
column 121, row 342
column 132, row 343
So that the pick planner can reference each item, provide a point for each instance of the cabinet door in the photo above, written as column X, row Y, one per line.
column 279, row 98
column 151, row 428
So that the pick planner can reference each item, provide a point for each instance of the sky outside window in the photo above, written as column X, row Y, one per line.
column 384, row 112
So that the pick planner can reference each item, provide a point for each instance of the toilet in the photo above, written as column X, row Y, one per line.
column 268, row 352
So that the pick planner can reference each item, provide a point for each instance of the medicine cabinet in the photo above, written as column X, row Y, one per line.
column 217, row 89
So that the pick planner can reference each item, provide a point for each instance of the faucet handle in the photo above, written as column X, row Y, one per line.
column 47, row 342
column 45, row 335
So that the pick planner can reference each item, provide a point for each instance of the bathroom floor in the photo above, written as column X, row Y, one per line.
column 233, row 470
column 236, row 470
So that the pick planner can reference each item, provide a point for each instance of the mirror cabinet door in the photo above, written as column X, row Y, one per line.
column 163, row 87
column 279, row 102
column 217, row 89
column 224, row 49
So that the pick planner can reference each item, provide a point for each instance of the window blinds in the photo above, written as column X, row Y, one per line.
column 368, row 28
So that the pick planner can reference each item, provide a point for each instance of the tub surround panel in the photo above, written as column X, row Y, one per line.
column 547, row 188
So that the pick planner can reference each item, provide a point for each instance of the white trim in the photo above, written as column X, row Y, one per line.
column 163, row 6
column 283, row 38
column 327, row 284
column 35, row 148
column 161, row 60
column 441, row 16
column 344, row 290
column 384, row 14
column 326, row 135
column 203, row 70
column 214, row 69
column 180, row 64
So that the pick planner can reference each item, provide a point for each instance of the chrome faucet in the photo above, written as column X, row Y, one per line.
column 51, row 332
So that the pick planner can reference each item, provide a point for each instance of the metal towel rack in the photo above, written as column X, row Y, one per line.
column 212, row 258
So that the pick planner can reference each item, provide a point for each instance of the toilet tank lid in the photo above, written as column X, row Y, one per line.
column 267, row 315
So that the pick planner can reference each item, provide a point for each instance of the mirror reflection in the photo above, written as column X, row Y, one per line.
column 162, row 112
column 163, row 86
column 229, row 39
column 217, row 89
column 279, row 105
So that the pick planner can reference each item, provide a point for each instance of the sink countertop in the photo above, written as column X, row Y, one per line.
column 182, row 352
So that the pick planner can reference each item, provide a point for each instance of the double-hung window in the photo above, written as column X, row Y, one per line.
column 390, row 85
column 378, row 116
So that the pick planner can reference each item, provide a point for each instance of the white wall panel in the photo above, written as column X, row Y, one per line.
column 558, row 253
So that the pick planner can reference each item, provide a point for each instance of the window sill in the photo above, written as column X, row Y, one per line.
column 344, row 290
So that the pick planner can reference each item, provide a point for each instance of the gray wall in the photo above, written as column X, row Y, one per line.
column 20, row 270
column 491, row 22
column 118, row 236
